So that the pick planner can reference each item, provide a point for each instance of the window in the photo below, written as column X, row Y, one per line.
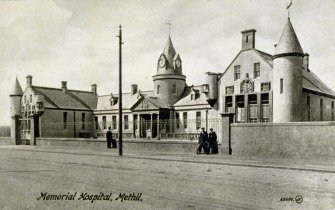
column 65, row 120
column 253, row 109
column 31, row 98
column 192, row 97
column 308, row 107
column 158, row 86
column 281, row 85
column 265, row 87
column 96, row 123
column 247, row 39
column 83, row 121
column 229, row 104
column 237, row 72
column 104, row 122
column 126, row 123
column 25, row 99
column 114, row 122
column 321, row 109
column 265, row 109
column 39, row 104
column 185, row 119
column 198, row 120
column 332, row 107
column 177, row 120
column 174, row 89
column 229, row 90
column 257, row 70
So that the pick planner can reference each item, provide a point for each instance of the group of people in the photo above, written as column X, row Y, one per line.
column 207, row 142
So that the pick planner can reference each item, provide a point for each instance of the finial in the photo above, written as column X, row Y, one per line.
column 288, row 9
column 120, row 26
column 169, row 23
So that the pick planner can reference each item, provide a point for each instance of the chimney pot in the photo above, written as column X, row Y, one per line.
column 29, row 81
column 64, row 85
column 133, row 89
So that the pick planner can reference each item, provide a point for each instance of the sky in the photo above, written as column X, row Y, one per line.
column 75, row 40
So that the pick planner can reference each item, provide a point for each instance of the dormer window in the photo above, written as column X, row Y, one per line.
column 113, row 101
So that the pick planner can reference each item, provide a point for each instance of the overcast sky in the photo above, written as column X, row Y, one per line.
column 76, row 41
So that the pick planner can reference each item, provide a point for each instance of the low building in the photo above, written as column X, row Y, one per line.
column 255, row 87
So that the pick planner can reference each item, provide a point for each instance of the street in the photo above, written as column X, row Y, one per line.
column 26, row 174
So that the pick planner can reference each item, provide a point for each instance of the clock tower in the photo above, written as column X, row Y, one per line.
column 169, row 82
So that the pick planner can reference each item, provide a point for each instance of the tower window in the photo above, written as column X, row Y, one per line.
column 65, row 120
column 281, row 85
column 257, row 70
column 247, row 39
column 25, row 99
column 158, row 86
column 174, row 89
column 31, row 98
column 237, row 72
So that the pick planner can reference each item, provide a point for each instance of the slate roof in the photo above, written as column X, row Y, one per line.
column 266, row 56
column 128, row 101
column 70, row 99
column 16, row 89
column 169, row 51
column 288, row 42
column 312, row 82
column 185, row 99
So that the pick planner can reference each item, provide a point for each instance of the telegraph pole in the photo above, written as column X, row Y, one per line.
column 120, row 90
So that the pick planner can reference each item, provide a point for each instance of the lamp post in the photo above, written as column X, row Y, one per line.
column 120, row 90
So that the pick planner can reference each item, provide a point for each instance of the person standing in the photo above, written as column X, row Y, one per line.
column 203, row 142
column 213, row 145
column 109, row 137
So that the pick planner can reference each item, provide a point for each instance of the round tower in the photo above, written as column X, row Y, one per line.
column 169, row 82
column 287, row 77
column 15, row 110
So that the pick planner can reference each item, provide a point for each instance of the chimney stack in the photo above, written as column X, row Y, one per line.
column 248, row 39
column 29, row 81
column 305, row 62
column 133, row 89
column 94, row 89
column 64, row 86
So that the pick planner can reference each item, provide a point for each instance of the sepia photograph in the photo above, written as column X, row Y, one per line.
column 171, row 104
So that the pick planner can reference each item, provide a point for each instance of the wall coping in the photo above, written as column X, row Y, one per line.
column 125, row 140
column 325, row 123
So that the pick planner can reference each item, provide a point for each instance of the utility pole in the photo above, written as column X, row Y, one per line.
column 120, row 90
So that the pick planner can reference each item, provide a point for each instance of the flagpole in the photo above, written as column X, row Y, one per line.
column 120, row 91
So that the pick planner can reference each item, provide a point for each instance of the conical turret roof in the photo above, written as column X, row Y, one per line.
column 288, row 42
column 16, row 89
column 169, row 51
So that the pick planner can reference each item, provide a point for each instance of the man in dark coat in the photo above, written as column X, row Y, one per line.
column 203, row 142
column 212, row 138
column 109, row 137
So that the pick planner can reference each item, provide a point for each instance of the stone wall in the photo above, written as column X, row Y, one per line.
column 284, row 140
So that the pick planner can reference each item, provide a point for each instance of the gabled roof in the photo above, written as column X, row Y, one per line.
column 185, row 99
column 69, row 99
column 16, row 89
column 288, row 42
column 128, row 100
column 265, row 56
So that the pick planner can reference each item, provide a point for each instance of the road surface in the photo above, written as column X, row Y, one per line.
column 28, row 177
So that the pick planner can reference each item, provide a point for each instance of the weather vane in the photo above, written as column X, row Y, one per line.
column 288, row 9
column 169, row 23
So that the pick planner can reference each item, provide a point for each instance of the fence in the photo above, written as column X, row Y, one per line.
column 164, row 129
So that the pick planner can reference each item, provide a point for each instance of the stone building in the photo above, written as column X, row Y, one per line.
column 256, row 87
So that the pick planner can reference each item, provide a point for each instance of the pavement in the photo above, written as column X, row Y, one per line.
column 317, row 165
